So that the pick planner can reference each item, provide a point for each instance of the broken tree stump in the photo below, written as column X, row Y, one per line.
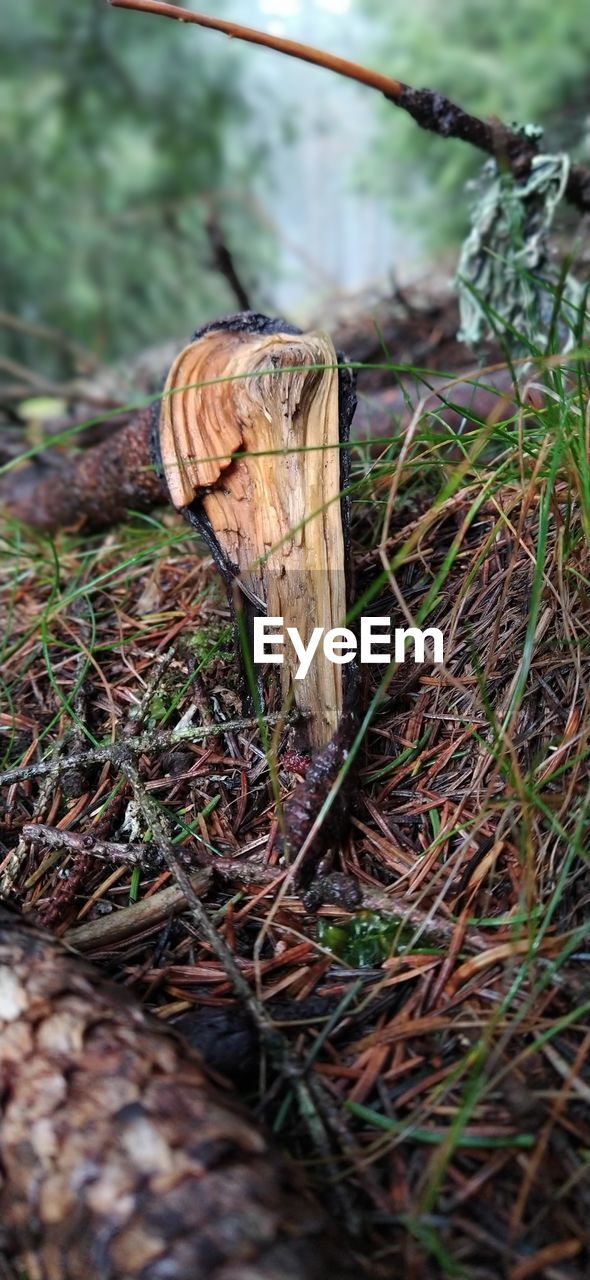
column 119, row 1157
column 251, row 434
column 250, row 440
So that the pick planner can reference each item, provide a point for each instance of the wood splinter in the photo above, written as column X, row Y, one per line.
column 250, row 432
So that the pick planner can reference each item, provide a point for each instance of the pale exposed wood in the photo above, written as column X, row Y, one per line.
column 129, row 921
column 275, row 508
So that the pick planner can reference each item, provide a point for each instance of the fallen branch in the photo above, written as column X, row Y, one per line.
column 133, row 855
column 431, row 110
column 147, row 856
column 153, row 740
column 136, row 918
column 95, row 488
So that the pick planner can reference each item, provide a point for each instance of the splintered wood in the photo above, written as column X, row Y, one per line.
column 249, row 433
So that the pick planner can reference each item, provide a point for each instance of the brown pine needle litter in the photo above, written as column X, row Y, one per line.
column 443, row 1030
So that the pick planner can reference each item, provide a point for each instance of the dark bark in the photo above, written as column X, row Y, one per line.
column 119, row 1157
column 436, row 113
column 303, row 807
column 95, row 488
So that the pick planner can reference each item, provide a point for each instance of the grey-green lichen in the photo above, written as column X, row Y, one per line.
column 508, row 281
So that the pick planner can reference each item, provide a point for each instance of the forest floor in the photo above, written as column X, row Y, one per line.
column 449, row 1019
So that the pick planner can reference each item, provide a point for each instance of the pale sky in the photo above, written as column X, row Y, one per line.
column 292, row 8
column 332, row 238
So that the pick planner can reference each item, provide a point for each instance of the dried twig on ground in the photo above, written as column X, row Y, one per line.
column 150, row 741
column 135, row 855
column 133, row 920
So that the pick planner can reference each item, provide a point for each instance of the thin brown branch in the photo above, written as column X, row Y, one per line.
column 431, row 110
column 130, row 921
column 293, row 48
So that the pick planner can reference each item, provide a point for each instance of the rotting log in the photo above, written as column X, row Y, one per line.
column 119, row 1156
column 251, row 437
column 95, row 488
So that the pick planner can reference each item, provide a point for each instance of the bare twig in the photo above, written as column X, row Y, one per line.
column 146, row 855
column 154, row 740
column 293, row 48
column 135, row 855
column 431, row 110
column 411, row 915
column 135, row 919
column 223, row 259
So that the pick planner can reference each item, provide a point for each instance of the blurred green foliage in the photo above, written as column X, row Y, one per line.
column 119, row 133
column 525, row 61
column 115, row 130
